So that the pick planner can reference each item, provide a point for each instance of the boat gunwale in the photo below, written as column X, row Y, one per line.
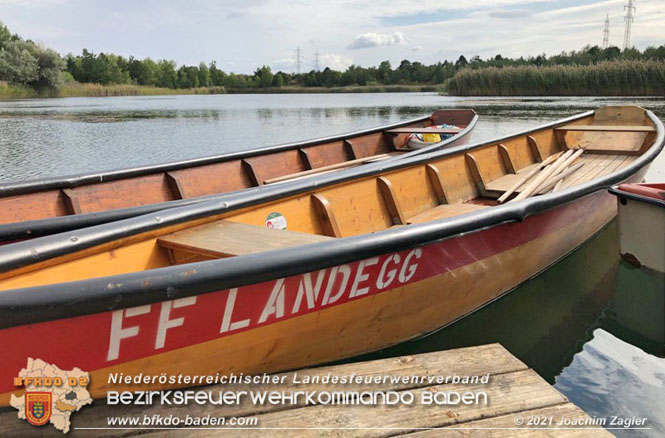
column 77, row 180
column 65, row 300
column 616, row 191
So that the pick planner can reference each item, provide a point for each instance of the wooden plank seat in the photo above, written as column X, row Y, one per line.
column 607, row 128
column 227, row 239
column 425, row 130
column 443, row 211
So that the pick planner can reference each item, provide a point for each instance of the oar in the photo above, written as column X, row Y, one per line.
column 542, row 176
column 526, row 177
column 561, row 168
column 560, row 177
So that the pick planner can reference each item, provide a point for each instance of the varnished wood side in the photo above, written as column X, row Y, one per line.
column 130, row 192
column 71, row 201
column 507, row 159
column 326, row 216
column 270, row 166
column 437, row 183
column 477, row 173
column 176, row 187
column 391, row 200
column 213, row 178
column 535, row 150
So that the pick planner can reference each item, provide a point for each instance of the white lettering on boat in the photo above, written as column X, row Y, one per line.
column 174, row 323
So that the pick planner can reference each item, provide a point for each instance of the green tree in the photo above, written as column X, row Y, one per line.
column 17, row 63
column 204, row 75
column 461, row 62
column 50, row 67
column 166, row 74
column 264, row 77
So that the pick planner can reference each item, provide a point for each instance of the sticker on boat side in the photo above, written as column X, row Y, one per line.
column 276, row 221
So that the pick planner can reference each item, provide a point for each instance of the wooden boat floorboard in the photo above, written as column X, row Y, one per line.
column 444, row 211
column 504, row 183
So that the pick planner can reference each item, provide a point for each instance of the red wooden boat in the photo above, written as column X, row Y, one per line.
column 317, row 269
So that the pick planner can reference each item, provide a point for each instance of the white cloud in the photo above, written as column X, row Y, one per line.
column 335, row 62
column 371, row 39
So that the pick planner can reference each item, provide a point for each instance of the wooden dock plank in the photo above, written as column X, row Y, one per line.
column 504, row 425
column 508, row 393
column 513, row 389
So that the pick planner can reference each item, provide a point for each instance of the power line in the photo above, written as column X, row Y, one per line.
column 317, row 67
column 606, row 32
column 629, row 24
column 298, row 59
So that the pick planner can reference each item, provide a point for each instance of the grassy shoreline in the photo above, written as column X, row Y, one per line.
column 12, row 91
column 612, row 78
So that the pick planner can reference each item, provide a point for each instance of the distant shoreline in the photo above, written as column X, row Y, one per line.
column 11, row 91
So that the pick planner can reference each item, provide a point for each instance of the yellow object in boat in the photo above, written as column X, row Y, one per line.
column 431, row 138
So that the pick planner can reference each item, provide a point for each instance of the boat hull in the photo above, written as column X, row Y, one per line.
column 642, row 226
column 311, row 318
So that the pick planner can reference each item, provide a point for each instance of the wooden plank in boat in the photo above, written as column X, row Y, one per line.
column 606, row 128
column 500, row 185
column 425, row 130
column 443, row 211
column 593, row 165
column 325, row 169
column 227, row 239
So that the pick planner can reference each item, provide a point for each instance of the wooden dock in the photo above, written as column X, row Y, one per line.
column 514, row 394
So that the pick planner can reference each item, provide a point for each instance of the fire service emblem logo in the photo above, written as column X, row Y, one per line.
column 38, row 407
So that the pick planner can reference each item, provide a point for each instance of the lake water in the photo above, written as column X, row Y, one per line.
column 590, row 325
column 55, row 137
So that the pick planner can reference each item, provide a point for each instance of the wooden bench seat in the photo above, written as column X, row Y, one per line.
column 425, row 130
column 227, row 239
column 607, row 128
column 444, row 211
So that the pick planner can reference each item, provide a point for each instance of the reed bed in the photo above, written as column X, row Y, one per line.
column 12, row 91
column 98, row 90
column 612, row 78
column 346, row 89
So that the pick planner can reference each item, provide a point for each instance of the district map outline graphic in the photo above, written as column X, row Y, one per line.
column 66, row 399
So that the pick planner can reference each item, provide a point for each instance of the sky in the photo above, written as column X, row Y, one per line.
column 243, row 35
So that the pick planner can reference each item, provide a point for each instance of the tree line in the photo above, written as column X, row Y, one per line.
column 24, row 62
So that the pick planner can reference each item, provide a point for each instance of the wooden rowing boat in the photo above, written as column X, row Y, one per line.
column 46, row 206
column 642, row 224
column 317, row 269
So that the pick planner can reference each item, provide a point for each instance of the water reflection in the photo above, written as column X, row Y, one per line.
column 572, row 325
